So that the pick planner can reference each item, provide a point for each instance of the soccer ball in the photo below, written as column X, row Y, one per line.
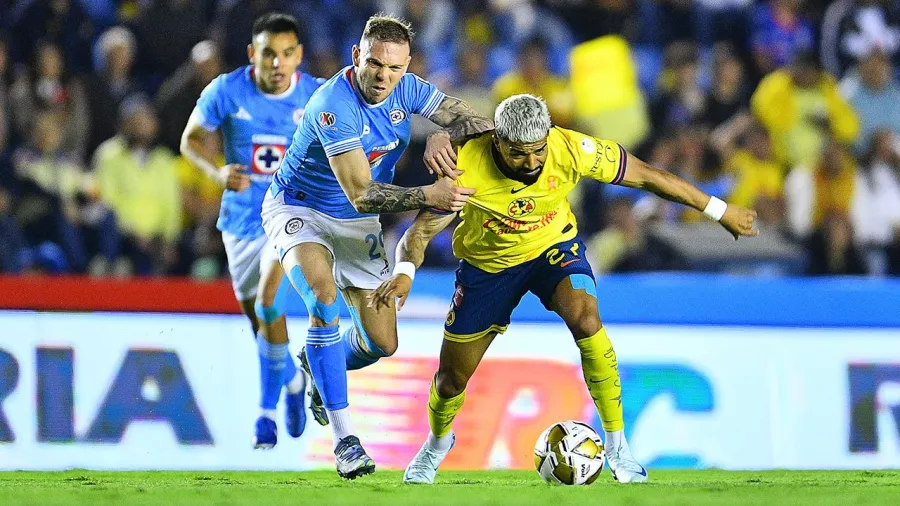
column 569, row 453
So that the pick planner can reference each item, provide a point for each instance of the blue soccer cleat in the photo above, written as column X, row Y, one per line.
column 266, row 434
column 295, row 412
column 351, row 459
column 316, row 405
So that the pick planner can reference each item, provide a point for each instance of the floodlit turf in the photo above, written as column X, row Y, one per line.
column 719, row 488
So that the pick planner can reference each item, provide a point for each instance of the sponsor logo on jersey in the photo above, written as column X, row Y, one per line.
column 327, row 119
column 267, row 158
column 397, row 116
column 293, row 226
column 378, row 153
column 588, row 146
column 553, row 182
column 520, row 207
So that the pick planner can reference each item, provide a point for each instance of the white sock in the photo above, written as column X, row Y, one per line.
column 441, row 444
column 615, row 440
column 297, row 383
column 269, row 413
column 340, row 424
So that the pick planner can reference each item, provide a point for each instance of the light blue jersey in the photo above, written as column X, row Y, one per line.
column 338, row 120
column 257, row 130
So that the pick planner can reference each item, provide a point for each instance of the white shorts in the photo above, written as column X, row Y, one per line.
column 244, row 260
column 357, row 245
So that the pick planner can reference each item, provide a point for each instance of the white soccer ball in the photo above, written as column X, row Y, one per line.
column 569, row 453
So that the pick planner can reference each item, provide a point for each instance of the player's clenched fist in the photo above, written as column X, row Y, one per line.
column 446, row 196
column 397, row 286
column 739, row 221
column 234, row 177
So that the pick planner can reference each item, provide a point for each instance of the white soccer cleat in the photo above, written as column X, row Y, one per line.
column 624, row 468
column 424, row 466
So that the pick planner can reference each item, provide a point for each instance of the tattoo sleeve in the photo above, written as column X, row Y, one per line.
column 412, row 245
column 388, row 198
column 460, row 120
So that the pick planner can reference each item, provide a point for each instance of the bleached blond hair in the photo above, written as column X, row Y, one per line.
column 522, row 119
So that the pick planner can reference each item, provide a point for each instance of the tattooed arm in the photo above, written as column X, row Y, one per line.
column 371, row 197
column 460, row 123
column 459, row 120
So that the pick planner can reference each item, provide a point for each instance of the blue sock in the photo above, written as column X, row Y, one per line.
column 356, row 357
column 325, row 352
column 290, row 368
column 271, row 371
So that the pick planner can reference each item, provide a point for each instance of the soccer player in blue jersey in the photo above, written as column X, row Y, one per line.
column 322, row 209
column 257, row 108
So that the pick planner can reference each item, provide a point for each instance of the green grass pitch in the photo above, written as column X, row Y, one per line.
column 712, row 487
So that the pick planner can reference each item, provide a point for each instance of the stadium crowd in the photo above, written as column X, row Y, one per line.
column 791, row 107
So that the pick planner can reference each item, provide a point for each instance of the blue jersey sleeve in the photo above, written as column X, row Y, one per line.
column 211, row 104
column 337, row 124
column 420, row 96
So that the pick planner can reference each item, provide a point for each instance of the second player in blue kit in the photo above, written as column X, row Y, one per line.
column 257, row 109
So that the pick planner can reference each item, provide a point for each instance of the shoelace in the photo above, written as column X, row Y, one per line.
column 351, row 452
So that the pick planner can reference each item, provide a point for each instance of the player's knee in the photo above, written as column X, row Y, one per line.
column 584, row 322
column 450, row 383
column 385, row 345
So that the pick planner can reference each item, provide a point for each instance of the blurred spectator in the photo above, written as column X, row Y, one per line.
column 758, row 178
column 627, row 246
column 324, row 63
column 11, row 241
column 138, row 179
column 852, row 29
column 679, row 99
column 817, row 192
column 663, row 22
column 874, row 93
column 832, row 250
column 468, row 82
column 59, row 22
column 533, row 76
column 178, row 94
column 779, row 32
column 875, row 210
column 515, row 23
column 166, row 30
column 51, row 186
column 590, row 19
column 48, row 86
column 110, row 84
column 800, row 106
column 728, row 94
column 200, row 200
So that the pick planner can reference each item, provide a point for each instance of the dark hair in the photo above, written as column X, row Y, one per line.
column 276, row 22
column 387, row 28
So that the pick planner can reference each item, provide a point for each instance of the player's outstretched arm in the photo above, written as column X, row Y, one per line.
column 737, row 220
column 367, row 196
column 232, row 176
column 410, row 255
column 460, row 123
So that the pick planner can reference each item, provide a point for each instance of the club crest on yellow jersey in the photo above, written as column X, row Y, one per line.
column 520, row 207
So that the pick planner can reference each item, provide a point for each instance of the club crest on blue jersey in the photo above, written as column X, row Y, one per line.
column 397, row 116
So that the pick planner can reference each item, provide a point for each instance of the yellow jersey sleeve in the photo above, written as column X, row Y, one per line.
column 598, row 159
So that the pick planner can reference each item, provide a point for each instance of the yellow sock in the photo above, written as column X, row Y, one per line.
column 601, row 374
column 441, row 412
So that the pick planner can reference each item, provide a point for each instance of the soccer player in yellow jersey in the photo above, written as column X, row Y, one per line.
column 518, row 234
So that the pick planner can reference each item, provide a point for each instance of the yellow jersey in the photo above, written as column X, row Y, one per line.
column 506, row 222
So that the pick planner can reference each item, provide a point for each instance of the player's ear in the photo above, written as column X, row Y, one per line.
column 354, row 55
column 299, row 54
column 250, row 52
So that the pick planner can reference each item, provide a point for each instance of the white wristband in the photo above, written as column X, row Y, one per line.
column 407, row 268
column 715, row 209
